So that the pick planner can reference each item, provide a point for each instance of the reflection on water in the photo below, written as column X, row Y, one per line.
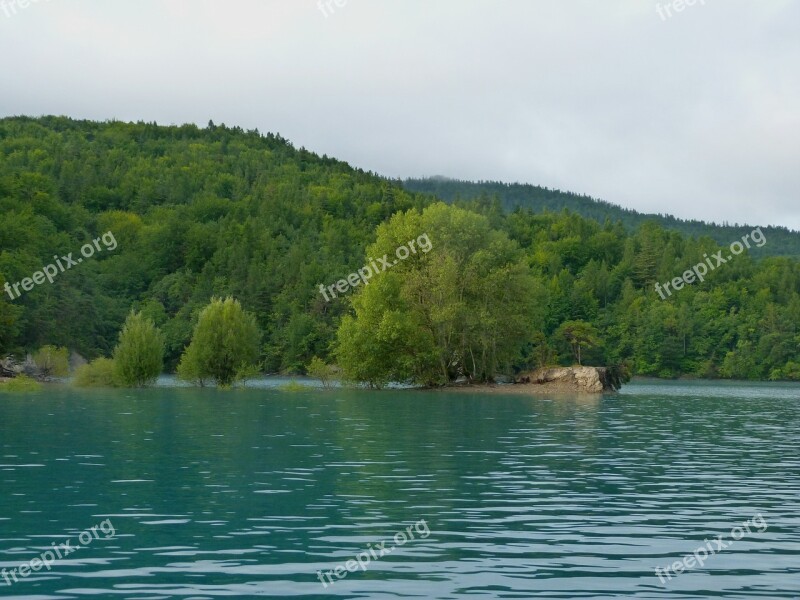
column 252, row 492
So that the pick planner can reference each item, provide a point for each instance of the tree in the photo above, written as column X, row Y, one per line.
column 224, row 346
column 318, row 369
column 52, row 361
column 139, row 355
column 9, row 316
column 579, row 335
column 257, row 208
column 189, row 368
column 464, row 307
column 542, row 354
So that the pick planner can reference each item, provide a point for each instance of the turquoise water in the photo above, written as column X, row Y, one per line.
column 253, row 492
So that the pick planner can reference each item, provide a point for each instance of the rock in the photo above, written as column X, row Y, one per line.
column 29, row 367
column 9, row 367
column 593, row 380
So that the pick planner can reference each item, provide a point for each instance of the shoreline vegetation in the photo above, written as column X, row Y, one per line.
column 222, row 238
column 547, row 381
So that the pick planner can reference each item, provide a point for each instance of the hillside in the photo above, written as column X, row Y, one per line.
column 196, row 212
column 173, row 216
column 782, row 241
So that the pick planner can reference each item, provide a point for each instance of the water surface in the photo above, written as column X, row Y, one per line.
column 252, row 492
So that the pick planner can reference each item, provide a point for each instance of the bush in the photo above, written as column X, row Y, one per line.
column 98, row 373
column 318, row 369
column 21, row 384
column 139, row 356
column 52, row 361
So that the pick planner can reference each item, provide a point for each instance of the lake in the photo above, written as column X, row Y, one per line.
column 259, row 492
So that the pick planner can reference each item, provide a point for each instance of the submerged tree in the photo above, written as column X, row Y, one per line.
column 139, row 356
column 318, row 369
column 224, row 346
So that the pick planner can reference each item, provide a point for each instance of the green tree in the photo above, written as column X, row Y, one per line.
column 139, row 355
column 200, row 213
column 318, row 369
column 224, row 346
column 579, row 335
column 190, row 369
column 464, row 307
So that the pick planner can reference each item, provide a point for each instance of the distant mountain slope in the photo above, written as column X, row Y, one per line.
column 781, row 241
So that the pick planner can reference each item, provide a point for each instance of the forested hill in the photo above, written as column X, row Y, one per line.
column 195, row 213
column 782, row 241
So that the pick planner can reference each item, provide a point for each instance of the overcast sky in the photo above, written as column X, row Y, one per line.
column 694, row 113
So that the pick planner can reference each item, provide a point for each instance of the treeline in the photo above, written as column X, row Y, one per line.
column 221, row 212
column 783, row 242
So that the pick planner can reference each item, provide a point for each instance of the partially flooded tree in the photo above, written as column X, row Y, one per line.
column 224, row 346
column 318, row 369
column 139, row 356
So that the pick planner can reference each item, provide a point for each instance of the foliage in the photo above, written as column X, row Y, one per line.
column 579, row 335
column 21, row 384
column 52, row 361
column 293, row 386
column 98, row 373
column 139, row 356
column 245, row 373
column 216, row 212
column 326, row 373
column 542, row 353
column 466, row 308
column 189, row 369
column 224, row 346
column 509, row 196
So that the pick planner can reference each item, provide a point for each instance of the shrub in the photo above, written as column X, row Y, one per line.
column 139, row 356
column 318, row 369
column 98, row 373
column 21, row 384
column 52, row 361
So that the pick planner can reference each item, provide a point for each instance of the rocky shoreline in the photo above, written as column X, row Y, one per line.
column 550, row 380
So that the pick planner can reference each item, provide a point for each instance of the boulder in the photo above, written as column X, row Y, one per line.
column 593, row 380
